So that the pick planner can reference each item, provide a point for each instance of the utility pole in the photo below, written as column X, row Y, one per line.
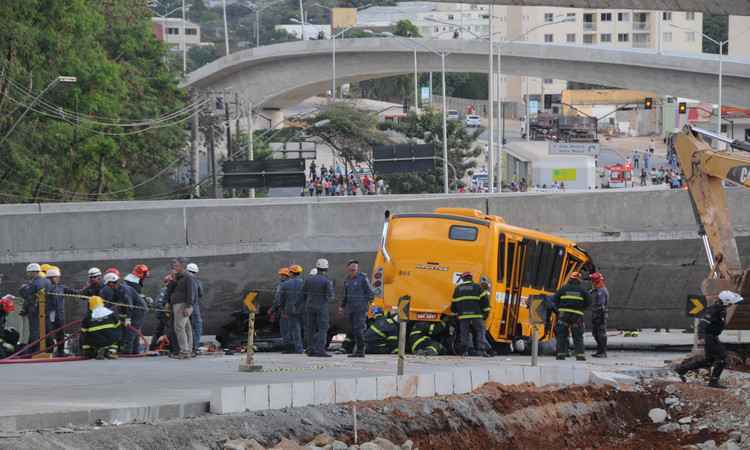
column 302, row 20
column 229, row 129
column 195, row 163
column 251, row 130
column 491, row 105
column 212, row 162
column 416, row 83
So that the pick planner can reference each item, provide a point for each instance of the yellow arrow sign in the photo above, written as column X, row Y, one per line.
column 403, row 307
column 695, row 306
column 250, row 300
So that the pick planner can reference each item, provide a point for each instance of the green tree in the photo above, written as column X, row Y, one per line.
column 406, row 28
column 110, row 47
column 717, row 27
column 462, row 152
column 351, row 133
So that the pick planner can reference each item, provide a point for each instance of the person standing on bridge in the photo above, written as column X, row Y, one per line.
column 318, row 292
column 124, row 301
column 135, row 280
column 56, row 307
column 599, row 317
column 570, row 302
column 357, row 298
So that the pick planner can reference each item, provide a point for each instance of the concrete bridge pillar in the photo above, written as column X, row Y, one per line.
column 276, row 117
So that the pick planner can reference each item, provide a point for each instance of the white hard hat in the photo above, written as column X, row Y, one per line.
column 730, row 298
column 322, row 263
column 33, row 267
column 110, row 277
column 94, row 272
column 53, row 272
column 313, row 271
column 192, row 267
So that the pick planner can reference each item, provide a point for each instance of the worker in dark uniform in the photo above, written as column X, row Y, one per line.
column 8, row 337
column 424, row 338
column 470, row 307
column 600, row 296
column 30, row 292
column 318, row 292
column 711, row 324
column 135, row 280
column 381, row 337
column 121, row 297
column 163, row 315
column 357, row 298
column 100, row 331
column 570, row 302
column 292, row 306
column 56, row 308
column 277, row 312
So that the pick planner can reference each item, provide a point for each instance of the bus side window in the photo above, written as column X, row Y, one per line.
column 460, row 233
column 557, row 266
column 531, row 265
column 501, row 258
column 510, row 268
column 546, row 265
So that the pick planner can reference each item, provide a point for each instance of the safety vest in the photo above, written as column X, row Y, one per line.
column 467, row 302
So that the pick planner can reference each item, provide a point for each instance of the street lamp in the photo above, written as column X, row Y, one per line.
column 500, row 116
column 442, row 55
column 258, row 10
column 333, row 45
column 59, row 79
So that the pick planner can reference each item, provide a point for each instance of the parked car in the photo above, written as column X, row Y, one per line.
column 452, row 115
column 473, row 121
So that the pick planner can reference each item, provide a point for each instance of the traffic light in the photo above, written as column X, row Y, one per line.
column 682, row 107
column 648, row 103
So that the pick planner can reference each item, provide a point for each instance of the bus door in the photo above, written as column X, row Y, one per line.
column 515, row 254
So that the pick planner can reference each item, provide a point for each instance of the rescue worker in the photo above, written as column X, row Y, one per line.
column 55, row 306
column 318, row 292
column 277, row 311
column 570, row 302
column 711, row 325
column 292, row 307
column 100, row 331
column 163, row 315
column 471, row 306
column 424, row 339
column 135, row 280
column 181, row 297
column 122, row 298
column 8, row 337
column 381, row 336
column 94, row 283
column 30, row 292
column 357, row 298
column 600, row 296
column 196, row 319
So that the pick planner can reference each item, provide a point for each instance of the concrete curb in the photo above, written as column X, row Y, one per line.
column 237, row 399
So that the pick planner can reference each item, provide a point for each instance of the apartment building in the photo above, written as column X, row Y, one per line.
column 175, row 32
column 739, row 35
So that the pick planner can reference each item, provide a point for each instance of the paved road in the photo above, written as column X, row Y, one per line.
column 82, row 385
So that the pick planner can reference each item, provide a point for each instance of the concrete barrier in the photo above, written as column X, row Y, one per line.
column 645, row 241
column 229, row 399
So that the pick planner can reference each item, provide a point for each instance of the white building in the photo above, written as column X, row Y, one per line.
column 312, row 31
column 175, row 32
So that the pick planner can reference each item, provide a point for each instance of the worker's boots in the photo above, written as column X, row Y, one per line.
column 714, row 383
column 101, row 354
column 599, row 355
column 580, row 358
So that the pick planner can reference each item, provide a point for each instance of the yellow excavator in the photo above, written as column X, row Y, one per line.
column 706, row 169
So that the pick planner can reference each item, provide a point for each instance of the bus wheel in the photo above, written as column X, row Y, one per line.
column 522, row 346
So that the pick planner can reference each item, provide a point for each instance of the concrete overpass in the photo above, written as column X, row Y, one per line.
column 281, row 75
column 644, row 241
column 717, row 7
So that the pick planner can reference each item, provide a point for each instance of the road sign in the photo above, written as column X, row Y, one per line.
column 403, row 158
column 249, row 300
column 695, row 305
column 264, row 173
column 574, row 148
column 537, row 310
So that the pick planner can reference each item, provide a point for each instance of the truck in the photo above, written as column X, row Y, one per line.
column 555, row 127
column 422, row 255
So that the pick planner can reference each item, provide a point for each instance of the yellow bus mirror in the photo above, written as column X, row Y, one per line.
column 249, row 301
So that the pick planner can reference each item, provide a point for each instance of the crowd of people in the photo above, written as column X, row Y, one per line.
column 333, row 182
column 116, row 311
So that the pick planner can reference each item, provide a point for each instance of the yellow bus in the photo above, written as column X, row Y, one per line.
column 422, row 255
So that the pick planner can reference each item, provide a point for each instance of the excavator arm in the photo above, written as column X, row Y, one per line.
column 705, row 169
